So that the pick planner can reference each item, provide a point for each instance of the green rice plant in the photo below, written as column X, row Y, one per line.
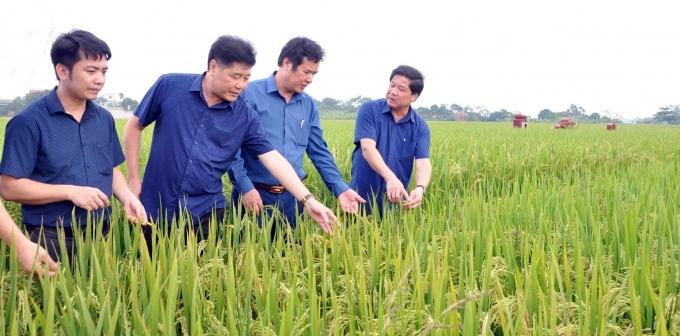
column 532, row 231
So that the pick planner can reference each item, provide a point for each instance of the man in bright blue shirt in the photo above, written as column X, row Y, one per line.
column 388, row 137
column 200, row 124
column 291, row 120
column 61, row 153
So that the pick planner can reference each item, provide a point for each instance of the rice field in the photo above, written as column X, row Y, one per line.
column 523, row 232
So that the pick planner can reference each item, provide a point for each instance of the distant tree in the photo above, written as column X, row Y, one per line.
column 576, row 112
column 668, row 114
column 456, row 108
column 329, row 103
column 501, row 115
column 546, row 114
column 129, row 104
column 18, row 104
column 357, row 101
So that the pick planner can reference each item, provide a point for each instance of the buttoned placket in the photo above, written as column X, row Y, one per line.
column 200, row 131
column 84, row 143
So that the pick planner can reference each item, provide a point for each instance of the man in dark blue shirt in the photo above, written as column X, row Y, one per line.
column 200, row 124
column 61, row 153
column 290, row 118
column 389, row 135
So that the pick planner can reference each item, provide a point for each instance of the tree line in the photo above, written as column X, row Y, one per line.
column 347, row 109
column 331, row 108
column 18, row 104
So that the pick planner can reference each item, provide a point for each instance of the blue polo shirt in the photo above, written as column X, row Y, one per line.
column 193, row 145
column 293, row 128
column 45, row 144
column 399, row 144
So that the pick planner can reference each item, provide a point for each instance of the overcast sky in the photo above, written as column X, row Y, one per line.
column 621, row 56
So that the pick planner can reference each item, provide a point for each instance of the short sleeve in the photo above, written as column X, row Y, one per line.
column 20, row 150
column 149, row 107
column 118, row 156
column 365, row 125
column 423, row 141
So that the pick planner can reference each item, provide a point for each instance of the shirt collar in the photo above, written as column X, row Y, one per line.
column 54, row 105
column 273, row 89
column 409, row 115
column 196, row 86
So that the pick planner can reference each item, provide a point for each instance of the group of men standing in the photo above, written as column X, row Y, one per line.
column 61, row 154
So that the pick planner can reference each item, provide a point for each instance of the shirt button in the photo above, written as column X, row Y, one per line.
column 201, row 125
column 191, row 161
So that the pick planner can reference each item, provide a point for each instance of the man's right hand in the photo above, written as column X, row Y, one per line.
column 252, row 201
column 395, row 191
column 33, row 257
column 88, row 198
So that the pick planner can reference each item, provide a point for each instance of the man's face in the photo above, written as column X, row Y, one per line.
column 399, row 94
column 85, row 79
column 228, row 82
column 298, row 79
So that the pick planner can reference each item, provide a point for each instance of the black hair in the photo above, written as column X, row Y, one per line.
column 299, row 48
column 70, row 47
column 229, row 49
column 416, row 79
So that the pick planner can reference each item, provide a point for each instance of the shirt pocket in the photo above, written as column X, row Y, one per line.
column 220, row 150
column 103, row 154
column 407, row 147
column 220, row 137
column 300, row 129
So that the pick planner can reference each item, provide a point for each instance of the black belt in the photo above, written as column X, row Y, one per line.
column 273, row 188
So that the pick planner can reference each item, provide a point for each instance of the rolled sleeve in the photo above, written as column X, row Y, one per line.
column 255, row 139
column 20, row 151
column 321, row 157
column 240, row 174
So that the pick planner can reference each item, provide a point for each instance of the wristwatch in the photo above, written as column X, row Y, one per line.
column 307, row 197
column 422, row 186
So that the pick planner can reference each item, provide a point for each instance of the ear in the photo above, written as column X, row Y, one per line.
column 212, row 65
column 414, row 97
column 62, row 71
column 287, row 63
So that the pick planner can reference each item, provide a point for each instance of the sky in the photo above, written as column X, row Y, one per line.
column 620, row 58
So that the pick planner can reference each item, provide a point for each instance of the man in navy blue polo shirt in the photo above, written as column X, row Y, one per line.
column 61, row 153
column 290, row 118
column 200, row 124
column 388, row 137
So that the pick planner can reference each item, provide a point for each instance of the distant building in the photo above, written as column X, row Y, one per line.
column 110, row 100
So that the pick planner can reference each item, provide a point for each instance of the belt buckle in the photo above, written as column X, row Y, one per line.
column 276, row 189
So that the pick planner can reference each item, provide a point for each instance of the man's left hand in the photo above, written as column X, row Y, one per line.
column 134, row 210
column 349, row 201
column 415, row 198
